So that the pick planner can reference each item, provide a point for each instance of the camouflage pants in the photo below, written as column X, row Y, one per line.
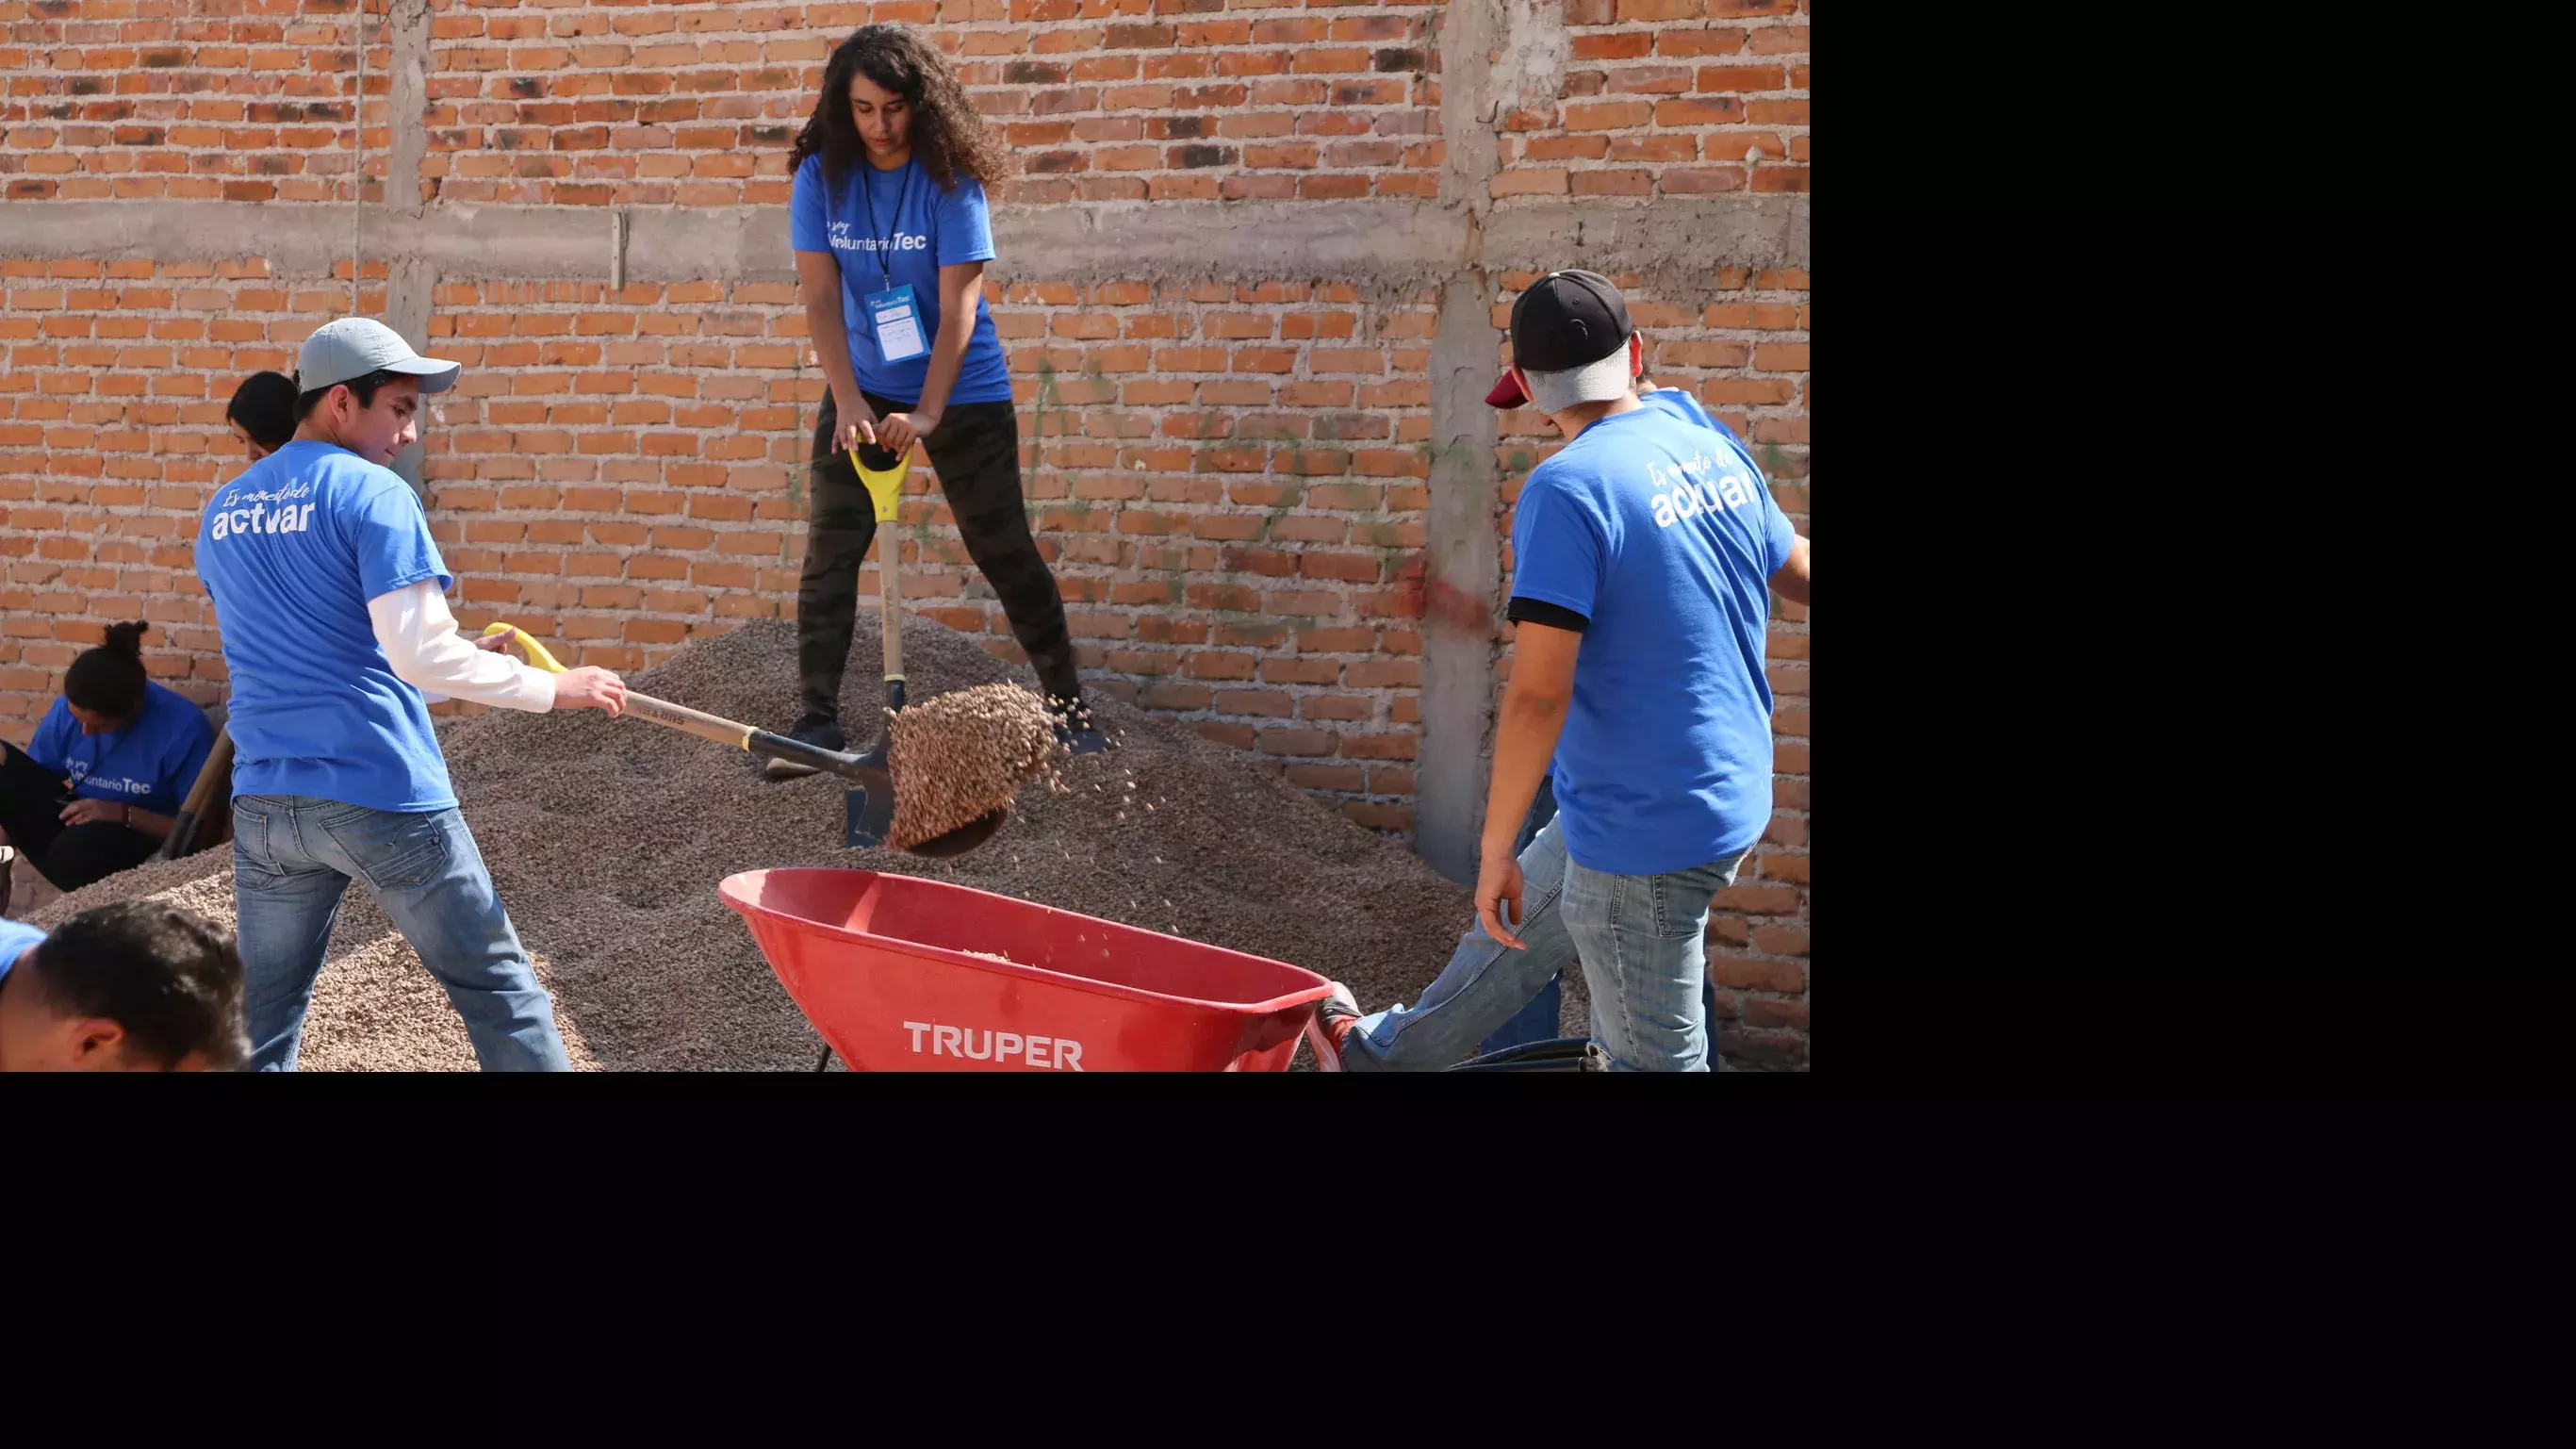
column 976, row 451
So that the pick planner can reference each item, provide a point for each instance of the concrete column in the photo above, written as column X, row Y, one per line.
column 1461, row 570
column 407, row 300
column 407, row 113
column 1462, row 576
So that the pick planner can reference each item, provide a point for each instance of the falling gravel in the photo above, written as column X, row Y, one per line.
column 606, row 839
column 961, row 755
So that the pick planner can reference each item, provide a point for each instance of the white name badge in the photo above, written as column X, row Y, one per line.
column 898, row 325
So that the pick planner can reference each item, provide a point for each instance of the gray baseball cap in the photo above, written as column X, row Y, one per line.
column 355, row 346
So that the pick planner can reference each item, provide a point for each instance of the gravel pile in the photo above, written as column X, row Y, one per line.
column 606, row 839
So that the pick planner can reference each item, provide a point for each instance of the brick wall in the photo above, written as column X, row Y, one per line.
column 132, row 98
column 1230, row 478
column 694, row 104
column 1668, row 98
column 112, row 435
column 1211, row 100
column 632, row 105
column 1227, row 479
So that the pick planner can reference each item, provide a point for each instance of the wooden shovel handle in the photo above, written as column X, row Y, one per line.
column 885, row 494
column 215, row 775
column 213, row 778
column 688, row 721
column 890, row 599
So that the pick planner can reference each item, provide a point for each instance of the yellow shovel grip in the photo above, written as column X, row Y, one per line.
column 537, row 654
column 885, row 489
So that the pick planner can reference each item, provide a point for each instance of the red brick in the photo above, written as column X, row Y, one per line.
column 1171, row 696
column 1384, row 674
column 1611, row 115
column 1766, row 1011
column 1379, row 816
column 1217, row 664
column 1348, row 778
column 1296, row 742
column 1301, row 671
column 1275, row 703
column 1337, row 641
column 1749, row 975
column 1379, row 746
column 1780, row 940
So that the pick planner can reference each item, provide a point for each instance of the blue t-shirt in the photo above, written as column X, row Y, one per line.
column 1657, row 527
column 913, row 230
column 148, row 764
column 291, row 551
column 15, row 938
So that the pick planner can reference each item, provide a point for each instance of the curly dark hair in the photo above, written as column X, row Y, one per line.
column 948, row 137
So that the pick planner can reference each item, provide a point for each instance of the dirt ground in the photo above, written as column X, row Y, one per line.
column 606, row 839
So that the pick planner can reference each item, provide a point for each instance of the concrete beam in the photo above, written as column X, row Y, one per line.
column 1392, row 241
column 463, row 242
column 1678, row 243
column 1376, row 243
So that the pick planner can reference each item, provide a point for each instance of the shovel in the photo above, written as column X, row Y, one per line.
column 216, row 775
column 863, row 825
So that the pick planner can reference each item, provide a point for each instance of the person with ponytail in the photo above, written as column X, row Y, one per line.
column 888, row 220
column 100, row 784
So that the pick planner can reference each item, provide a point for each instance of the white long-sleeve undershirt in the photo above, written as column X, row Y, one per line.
column 419, row 638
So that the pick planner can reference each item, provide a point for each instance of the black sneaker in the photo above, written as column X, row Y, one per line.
column 819, row 730
column 1074, row 728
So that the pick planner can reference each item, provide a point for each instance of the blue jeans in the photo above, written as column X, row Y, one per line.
column 1643, row 943
column 1487, row 985
column 1537, row 1021
column 1483, row 985
column 294, row 856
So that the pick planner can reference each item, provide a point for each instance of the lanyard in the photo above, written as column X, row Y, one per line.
column 885, row 244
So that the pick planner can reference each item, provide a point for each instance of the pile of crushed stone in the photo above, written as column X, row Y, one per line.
column 606, row 839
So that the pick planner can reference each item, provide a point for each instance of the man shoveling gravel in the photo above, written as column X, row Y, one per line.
column 330, row 595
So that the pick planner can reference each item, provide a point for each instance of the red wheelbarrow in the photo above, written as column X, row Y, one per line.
column 902, row 974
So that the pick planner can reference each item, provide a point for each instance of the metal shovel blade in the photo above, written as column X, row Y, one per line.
column 871, row 817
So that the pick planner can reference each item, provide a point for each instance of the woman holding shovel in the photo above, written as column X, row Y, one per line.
column 891, row 232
